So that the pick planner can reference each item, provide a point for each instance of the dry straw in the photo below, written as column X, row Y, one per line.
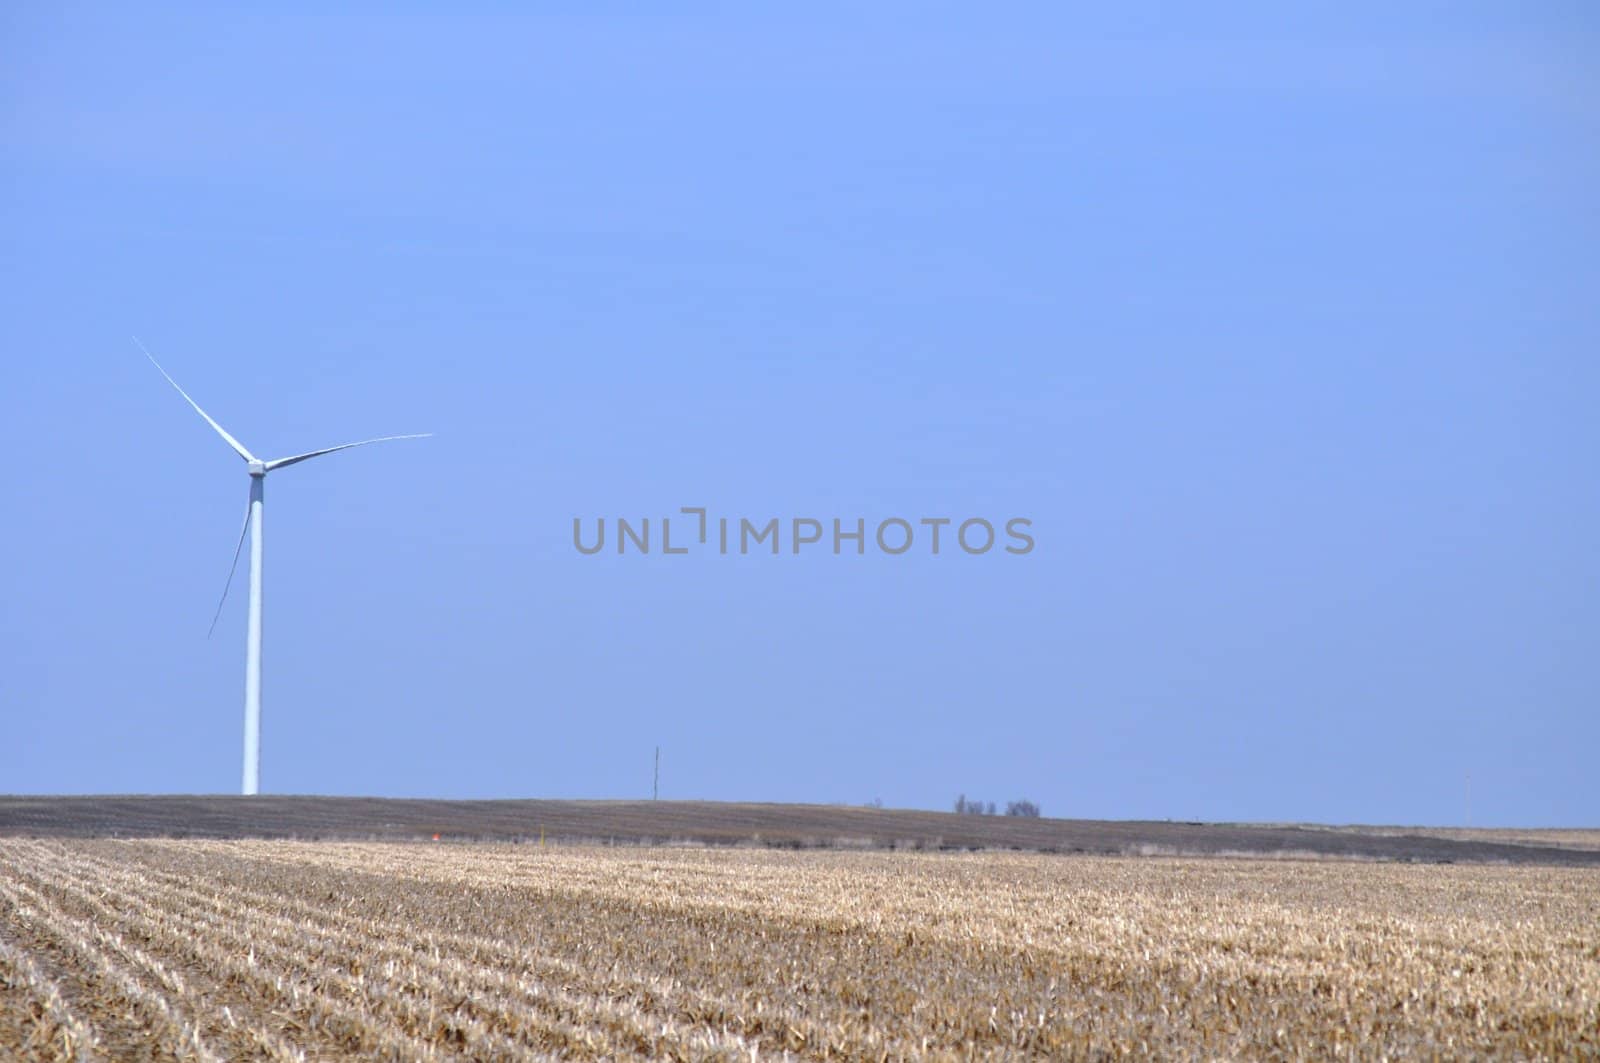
column 290, row 950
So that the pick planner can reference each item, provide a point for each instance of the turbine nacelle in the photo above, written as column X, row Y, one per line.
column 257, row 468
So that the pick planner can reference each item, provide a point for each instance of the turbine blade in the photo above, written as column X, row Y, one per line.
column 281, row 462
column 232, row 442
column 237, row 550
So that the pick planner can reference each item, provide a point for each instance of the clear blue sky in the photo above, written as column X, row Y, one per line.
column 1282, row 332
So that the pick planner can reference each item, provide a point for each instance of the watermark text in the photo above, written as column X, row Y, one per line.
column 694, row 529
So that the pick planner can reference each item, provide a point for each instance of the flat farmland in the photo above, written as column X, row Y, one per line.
column 278, row 949
column 760, row 825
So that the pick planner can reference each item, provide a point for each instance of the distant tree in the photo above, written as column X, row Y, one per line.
column 973, row 808
column 1023, row 807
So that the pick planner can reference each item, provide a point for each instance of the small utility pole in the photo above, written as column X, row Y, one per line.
column 1469, row 798
column 655, row 784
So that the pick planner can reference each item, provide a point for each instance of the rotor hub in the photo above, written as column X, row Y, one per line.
column 258, row 468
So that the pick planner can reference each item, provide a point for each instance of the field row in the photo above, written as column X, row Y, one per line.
column 286, row 950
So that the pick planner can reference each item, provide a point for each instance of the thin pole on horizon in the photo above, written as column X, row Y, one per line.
column 655, row 783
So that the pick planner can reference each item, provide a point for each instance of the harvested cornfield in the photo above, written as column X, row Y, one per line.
column 290, row 950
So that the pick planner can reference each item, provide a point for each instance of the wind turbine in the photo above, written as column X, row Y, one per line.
column 258, row 470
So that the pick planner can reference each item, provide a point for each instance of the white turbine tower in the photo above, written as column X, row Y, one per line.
column 258, row 470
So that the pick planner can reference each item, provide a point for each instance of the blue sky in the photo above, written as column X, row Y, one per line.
column 1281, row 332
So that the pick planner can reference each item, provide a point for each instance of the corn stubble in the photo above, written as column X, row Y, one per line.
column 289, row 950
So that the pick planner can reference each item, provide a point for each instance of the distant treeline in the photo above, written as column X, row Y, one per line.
column 1023, row 807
